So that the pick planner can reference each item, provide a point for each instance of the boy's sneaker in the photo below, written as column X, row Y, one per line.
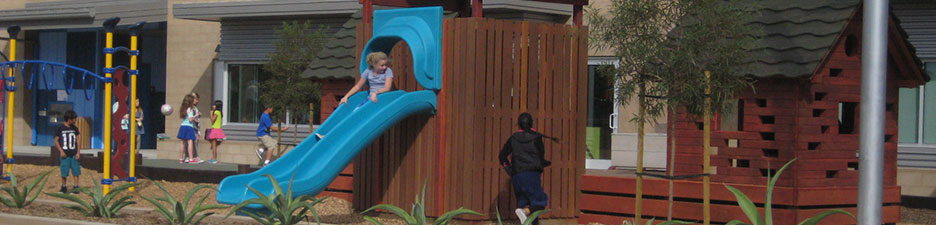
column 265, row 163
column 260, row 153
column 181, row 161
column 63, row 190
column 74, row 190
column 521, row 215
column 195, row 161
column 212, row 161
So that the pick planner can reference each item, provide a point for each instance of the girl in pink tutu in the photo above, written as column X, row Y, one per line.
column 216, row 135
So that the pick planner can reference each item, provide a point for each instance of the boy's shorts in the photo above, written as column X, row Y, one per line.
column 70, row 163
column 267, row 142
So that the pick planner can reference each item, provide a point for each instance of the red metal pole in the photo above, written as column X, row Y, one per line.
column 477, row 9
column 577, row 15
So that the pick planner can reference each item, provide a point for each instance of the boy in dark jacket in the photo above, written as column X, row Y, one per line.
column 523, row 158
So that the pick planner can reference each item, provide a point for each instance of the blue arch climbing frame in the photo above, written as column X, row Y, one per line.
column 44, row 69
column 421, row 29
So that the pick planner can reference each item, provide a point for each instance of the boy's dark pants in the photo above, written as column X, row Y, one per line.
column 529, row 190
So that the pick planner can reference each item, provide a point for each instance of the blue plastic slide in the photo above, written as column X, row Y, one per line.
column 315, row 163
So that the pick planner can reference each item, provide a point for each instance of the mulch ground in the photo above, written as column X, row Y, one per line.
column 332, row 210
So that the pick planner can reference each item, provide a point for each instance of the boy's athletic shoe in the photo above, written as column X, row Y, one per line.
column 213, row 161
column 195, row 161
column 74, row 190
column 260, row 153
column 265, row 163
column 63, row 190
column 521, row 215
column 181, row 161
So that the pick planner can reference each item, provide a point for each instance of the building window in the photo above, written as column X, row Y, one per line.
column 916, row 110
column 244, row 89
column 244, row 92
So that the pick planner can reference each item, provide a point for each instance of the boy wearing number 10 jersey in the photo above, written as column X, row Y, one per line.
column 66, row 140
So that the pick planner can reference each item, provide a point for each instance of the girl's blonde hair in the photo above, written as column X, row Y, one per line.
column 375, row 57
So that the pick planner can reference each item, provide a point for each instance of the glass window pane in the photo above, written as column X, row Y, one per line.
column 243, row 92
column 600, row 108
column 929, row 107
column 908, row 115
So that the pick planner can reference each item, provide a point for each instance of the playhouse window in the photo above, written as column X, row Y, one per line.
column 848, row 117
column 734, row 120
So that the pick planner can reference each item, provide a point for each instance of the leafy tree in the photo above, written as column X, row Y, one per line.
column 285, row 90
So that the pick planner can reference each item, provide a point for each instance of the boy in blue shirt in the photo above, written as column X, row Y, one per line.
column 267, row 143
column 66, row 141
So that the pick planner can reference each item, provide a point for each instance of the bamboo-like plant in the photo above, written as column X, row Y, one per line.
column 101, row 205
column 22, row 197
column 281, row 207
column 177, row 212
column 750, row 210
column 417, row 214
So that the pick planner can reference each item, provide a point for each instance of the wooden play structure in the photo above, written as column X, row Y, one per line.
column 493, row 70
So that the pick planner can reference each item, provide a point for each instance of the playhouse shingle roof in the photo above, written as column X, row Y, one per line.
column 336, row 59
column 797, row 34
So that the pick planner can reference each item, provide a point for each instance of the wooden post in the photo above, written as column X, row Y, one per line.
column 477, row 8
column 706, row 152
column 577, row 15
column 368, row 11
column 641, row 114
column 311, row 118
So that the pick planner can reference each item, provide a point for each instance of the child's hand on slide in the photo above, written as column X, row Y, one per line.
column 373, row 97
column 344, row 100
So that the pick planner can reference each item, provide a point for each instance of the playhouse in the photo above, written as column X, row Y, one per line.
column 804, row 104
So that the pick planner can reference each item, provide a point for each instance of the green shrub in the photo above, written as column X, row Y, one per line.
column 750, row 210
column 280, row 207
column 22, row 197
column 417, row 214
column 177, row 212
column 101, row 205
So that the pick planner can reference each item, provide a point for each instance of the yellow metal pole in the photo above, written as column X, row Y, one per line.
column 133, row 111
column 641, row 113
column 108, row 63
column 10, row 98
column 706, row 146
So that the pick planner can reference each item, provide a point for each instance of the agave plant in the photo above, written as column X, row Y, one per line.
column 22, row 197
column 176, row 211
column 280, row 207
column 750, row 210
column 101, row 205
column 417, row 214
